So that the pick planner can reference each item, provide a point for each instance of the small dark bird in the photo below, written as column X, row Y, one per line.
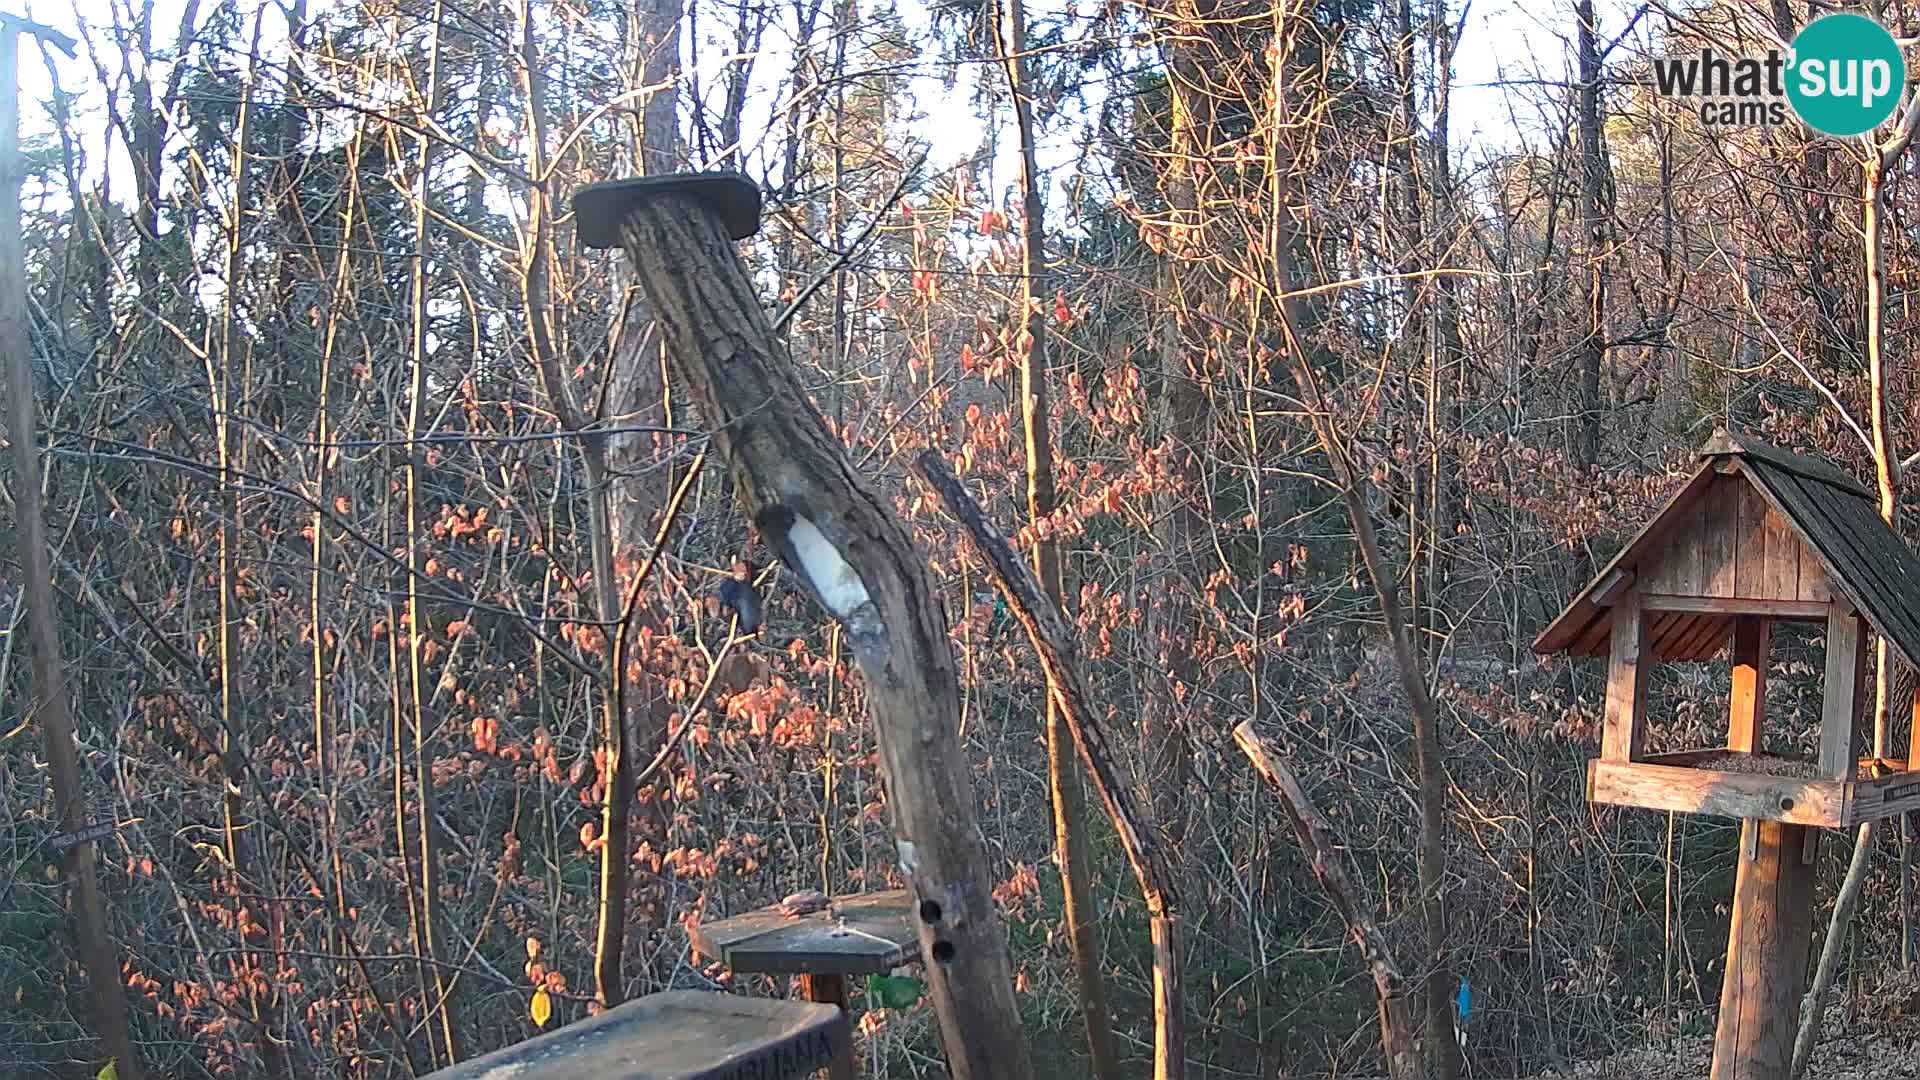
column 738, row 595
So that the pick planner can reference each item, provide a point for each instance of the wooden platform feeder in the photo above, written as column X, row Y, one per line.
column 1756, row 535
column 858, row 934
column 676, row 1035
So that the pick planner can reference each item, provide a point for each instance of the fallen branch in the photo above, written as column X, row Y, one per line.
column 1316, row 835
column 1130, row 810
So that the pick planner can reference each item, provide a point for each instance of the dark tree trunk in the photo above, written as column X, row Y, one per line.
column 1593, row 219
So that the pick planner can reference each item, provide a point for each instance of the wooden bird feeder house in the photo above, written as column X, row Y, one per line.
column 1757, row 535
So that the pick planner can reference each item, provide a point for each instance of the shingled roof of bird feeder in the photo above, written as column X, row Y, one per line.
column 1845, row 550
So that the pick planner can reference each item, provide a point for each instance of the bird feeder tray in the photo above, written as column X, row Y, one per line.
column 857, row 934
column 1770, row 787
column 600, row 210
column 676, row 1035
column 1756, row 536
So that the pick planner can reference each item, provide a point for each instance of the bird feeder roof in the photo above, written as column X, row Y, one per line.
column 1844, row 551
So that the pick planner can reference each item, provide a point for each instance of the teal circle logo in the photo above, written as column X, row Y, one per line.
column 1845, row 74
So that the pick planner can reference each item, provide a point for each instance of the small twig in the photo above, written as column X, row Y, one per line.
column 45, row 33
column 632, row 599
column 699, row 702
column 907, row 180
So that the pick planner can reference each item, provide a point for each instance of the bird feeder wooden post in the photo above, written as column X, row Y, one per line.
column 1757, row 535
column 861, row 934
column 845, row 544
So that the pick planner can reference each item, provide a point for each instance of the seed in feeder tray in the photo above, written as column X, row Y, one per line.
column 1760, row 764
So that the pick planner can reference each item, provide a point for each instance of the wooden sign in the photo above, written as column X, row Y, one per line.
column 70, row 840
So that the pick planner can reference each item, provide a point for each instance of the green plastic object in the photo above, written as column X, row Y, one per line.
column 894, row 991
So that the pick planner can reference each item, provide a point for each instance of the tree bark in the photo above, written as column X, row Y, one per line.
column 1593, row 219
column 49, row 668
column 629, row 471
column 844, row 543
column 1127, row 805
column 1179, row 505
column 253, row 885
column 441, row 1011
column 636, row 390
column 1063, row 776
column 1443, row 1052
column 1886, row 469
column 623, row 498
column 1447, row 351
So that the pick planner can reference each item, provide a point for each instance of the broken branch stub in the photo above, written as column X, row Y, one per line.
column 1398, row 1033
column 842, row 539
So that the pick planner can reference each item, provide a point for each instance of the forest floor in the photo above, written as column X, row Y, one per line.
column 1885, row 1046
column 1883, row 1057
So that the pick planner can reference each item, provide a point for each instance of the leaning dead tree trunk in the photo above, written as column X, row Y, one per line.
column 1131, row 811
column 1397, row 1028
column 49, row 671
column 1069, row 799
column 842, row 539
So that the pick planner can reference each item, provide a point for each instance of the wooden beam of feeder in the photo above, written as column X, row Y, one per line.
column 1397, row 1028
column 1130, row 810
column 1840, row 701
column 844, row 542
column 1747, row 704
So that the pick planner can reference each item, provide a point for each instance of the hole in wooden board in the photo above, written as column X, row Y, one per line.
column 943, row 951
column 1786, row 804
column 929, row 911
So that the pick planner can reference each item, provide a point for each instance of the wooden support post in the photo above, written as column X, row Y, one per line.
column 1772, row 903
column 1913, row 731
column 1746, row 715
column 51, row 709
column 832, row 990
column 845, row 544
column 1840, row 707
column 1622, row 734
column 1766, row 954
column 1904, row 824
